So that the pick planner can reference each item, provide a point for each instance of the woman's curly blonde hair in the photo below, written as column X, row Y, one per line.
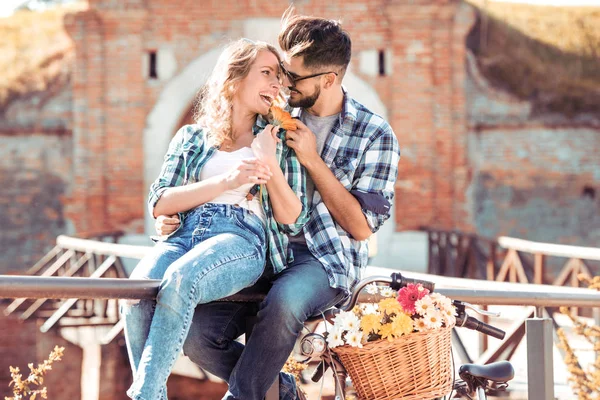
column 215, row 103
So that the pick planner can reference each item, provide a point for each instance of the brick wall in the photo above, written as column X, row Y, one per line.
column 537, row 183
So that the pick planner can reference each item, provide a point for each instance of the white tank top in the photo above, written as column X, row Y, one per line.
column 223, row 161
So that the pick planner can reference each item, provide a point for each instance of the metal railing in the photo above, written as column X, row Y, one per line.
column 487, row 293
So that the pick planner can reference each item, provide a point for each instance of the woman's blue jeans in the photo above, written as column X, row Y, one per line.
column 218, row 251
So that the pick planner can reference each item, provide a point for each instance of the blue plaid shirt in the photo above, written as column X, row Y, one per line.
column 363, row 153
column 188, row 153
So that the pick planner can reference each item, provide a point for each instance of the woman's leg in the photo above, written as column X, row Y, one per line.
column 215, row 268
column 137, row 314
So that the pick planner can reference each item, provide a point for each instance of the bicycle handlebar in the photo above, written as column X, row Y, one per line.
column 480, row 326
column 399, row 281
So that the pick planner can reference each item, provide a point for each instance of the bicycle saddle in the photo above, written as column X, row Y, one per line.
column 501, row 371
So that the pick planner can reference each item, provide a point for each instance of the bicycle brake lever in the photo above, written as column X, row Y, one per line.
column 475, row 309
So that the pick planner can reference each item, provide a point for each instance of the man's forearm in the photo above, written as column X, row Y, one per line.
column 342, row 205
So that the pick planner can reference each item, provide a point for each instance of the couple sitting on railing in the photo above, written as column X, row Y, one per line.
column 325, row 188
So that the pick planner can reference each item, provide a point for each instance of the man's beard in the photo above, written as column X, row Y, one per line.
column 307, row 101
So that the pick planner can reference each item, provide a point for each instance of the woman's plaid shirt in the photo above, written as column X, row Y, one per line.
column 188, row 153
column 363, row 153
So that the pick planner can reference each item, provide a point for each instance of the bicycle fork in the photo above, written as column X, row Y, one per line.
column 314, row 346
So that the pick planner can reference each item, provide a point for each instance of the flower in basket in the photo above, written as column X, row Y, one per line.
column 412, row 309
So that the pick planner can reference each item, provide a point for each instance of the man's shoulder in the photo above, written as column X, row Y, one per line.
column 369, row 122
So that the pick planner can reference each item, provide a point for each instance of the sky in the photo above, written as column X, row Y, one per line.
column 7, row 6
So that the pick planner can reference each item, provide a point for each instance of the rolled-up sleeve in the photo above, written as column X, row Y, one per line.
column 377, row 172
column 296, row 177
column 172, row 170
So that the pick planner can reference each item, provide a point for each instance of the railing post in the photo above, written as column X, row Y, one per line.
column 540, row 365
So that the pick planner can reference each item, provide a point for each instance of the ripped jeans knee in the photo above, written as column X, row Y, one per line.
column 129, row 306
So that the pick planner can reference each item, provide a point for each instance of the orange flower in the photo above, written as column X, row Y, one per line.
column 282, row 119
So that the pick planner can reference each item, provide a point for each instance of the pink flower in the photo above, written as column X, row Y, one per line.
column 408, row 295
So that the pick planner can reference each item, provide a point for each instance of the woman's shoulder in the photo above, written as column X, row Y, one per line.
column 192, row 133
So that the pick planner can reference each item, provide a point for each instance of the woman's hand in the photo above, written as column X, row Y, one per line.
column 165, row 224
column 251, row 170
column 264, row 145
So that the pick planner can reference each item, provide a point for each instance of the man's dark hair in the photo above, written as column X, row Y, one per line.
column 322, row 42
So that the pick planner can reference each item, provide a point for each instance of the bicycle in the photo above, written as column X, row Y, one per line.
column 475, row 380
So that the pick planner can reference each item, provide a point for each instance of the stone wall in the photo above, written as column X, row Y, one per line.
column 535, row 177
column 537, row 183
column 35, row 173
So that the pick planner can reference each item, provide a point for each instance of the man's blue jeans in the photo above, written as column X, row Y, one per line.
column 219, row 250
column 300, row 291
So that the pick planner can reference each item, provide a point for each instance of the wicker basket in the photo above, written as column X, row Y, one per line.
column 414, row 366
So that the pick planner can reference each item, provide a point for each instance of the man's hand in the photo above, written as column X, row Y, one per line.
column 165, row 224
column 304, row 143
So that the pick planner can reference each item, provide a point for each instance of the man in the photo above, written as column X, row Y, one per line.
column 351, row 156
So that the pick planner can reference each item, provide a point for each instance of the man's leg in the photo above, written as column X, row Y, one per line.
column 211, row 342
column 298, row 292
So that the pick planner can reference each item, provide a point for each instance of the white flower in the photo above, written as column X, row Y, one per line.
column 369, row 308
column 372, row 288
column 424, row 305
column 353, row 338
column 387, row 291
column 344, row 316
column 449, row 316
column 441, row 300
column 435, row 296
column 334, row 339
column 433, row 319
column 351, row 322
column 420, row 325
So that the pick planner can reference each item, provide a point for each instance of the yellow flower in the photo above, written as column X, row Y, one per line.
column 387, row 332
column 390, row 306
column 402, row 324
column 370, row 323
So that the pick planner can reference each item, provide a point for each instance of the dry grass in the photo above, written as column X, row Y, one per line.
column 35, row 52
column 550, row 55
column 21, row 387
column 585, row 381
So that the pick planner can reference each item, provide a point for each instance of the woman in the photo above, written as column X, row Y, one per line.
column 208, row 177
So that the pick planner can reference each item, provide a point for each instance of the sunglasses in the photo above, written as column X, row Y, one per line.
column 293, row 78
